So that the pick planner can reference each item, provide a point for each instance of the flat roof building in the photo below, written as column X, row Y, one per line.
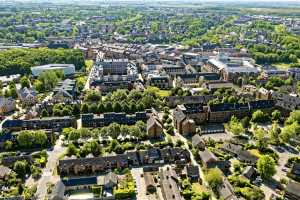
column 68, row 69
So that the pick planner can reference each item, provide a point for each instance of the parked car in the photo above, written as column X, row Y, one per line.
column 285, row 169
column 257, row 181
column 279, row 149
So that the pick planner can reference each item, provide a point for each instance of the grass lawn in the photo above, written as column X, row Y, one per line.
column 164, row 93
column 89, row 64
column 159, row 92
column 197, row 188
column 284, row 66
column 255, row 152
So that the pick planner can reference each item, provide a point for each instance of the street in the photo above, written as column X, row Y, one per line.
column 47, row 175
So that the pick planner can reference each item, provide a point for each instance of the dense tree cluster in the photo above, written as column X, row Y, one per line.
column 20, row 61
column 48, row 80
column 114, row 130
column 120, row 101
column 31, row 139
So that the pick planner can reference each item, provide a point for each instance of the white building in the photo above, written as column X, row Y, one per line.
column 68, row 69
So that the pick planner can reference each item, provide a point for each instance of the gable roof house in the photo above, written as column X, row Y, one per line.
column 238, row 152
column 178, row 100
column 226, row 191
column 187, row 116
column 109, row 181
column 286, row 101
column 198, row 142
column 154, row 126
column 192, row 172
column 65, row 91
column 169, row 184
column 4, row 172
column 209, row 160
column 58, row 191
column 27, row 96
column 7, row 105
column 249, row 172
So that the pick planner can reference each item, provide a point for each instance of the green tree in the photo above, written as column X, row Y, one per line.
column 274, row 133
column 290, row 131
column 214, row 178
column 276, row 115
column 294, row 117
column 117, row 107
column 259, row 117
column 25, row 82
column 235, row 126
column 260, row 136
column 266, row 166
column 71, row 149
column 8, row 145
column 20, row 167
column 44, row 113
column 76, row 110
column 84, row 108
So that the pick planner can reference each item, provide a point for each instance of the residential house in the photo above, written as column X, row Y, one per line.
column 187, row 116
column 198, row 142
column 91, row 120
column 65, row 91
column 287, row 102
column 192, row 172
column 79, row 183
column 7, row 105
column 294, row 73
column 211, row 128
column 109, row 180
column 54, row 123
column 94, row 165
column 268, row 73
column 178, row 100
column 154, row 126
column 212, row 86
column 226, row 191
column 238, row 152
column 263, row 93
column 58, row 191
column 27, row 96
column 10, row 160
column 169, row 184
column 249, row 172
column 160, row 81
column 209, row 160
column 4, row 173
column 224, row 111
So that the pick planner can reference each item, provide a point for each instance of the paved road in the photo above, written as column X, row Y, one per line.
column 193, row 161
column 47, row 174
column 140, row 183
